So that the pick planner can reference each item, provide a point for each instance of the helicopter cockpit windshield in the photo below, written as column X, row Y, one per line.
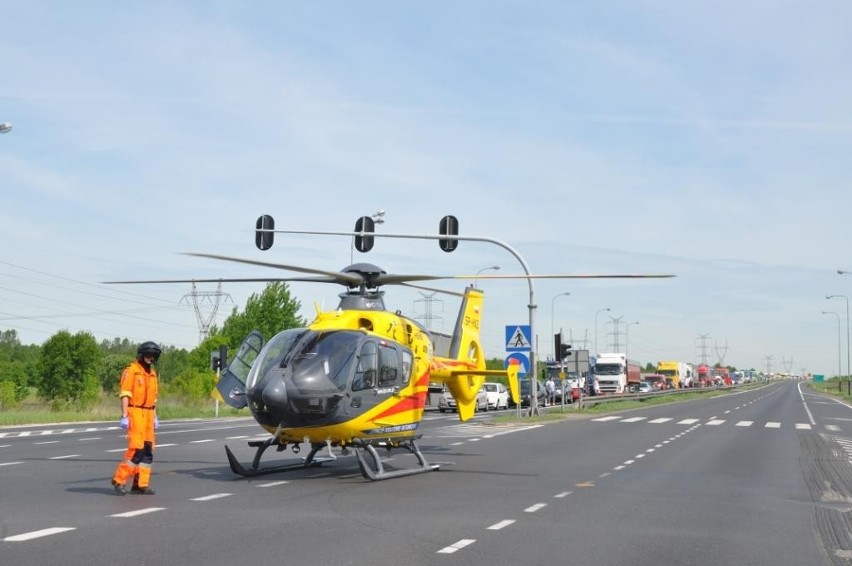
column 302, row 374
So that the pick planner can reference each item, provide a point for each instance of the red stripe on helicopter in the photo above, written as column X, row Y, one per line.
column 416, row 401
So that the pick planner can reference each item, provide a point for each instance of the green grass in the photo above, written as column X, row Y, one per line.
column 36, row 411
column 836, row 387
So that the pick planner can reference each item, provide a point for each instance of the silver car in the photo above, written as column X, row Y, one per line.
column 448, row 403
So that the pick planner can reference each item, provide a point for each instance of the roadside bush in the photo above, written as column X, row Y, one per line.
column 8, row 398
column 191, row 386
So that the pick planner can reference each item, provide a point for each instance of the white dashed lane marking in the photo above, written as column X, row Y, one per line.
column 710, row 422
column 138, row 512
column 37, row 534
column 212, row 497
column 502, row 524
column 455, row 547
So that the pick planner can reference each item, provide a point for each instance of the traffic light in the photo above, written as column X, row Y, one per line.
column 219, row 358
column 449, row 226
column 263, row 239
column 366, row 225
column 560, row 350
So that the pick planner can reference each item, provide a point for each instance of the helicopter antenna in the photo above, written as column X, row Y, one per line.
column 210, row 299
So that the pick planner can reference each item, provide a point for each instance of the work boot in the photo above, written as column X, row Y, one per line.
column 142, row 490
column 119, row 489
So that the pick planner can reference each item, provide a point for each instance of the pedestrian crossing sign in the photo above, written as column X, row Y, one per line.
column 518, row 338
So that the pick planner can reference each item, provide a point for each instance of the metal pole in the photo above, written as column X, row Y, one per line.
column 845, row 298
column 596, row 328
column 627, row 338
column 839, row 367
column 494, row 267
column 531, row 307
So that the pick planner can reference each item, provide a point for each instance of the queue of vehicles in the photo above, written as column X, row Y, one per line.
column 610, row 373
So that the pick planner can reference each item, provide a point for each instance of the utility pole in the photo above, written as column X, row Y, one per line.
column 427, row 316
column 209, row 299
column 703, row 347
column 615, row 332
column 787, row 365
column 721, row 355
column 768, row 360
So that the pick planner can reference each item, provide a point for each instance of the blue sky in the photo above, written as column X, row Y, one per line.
column 709, row 140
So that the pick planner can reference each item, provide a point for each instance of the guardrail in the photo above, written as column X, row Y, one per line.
column 612, row 397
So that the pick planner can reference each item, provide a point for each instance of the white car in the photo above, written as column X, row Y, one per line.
column 447, row 403
column 497, row 395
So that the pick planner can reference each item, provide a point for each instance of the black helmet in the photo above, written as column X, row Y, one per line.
column 148, row 349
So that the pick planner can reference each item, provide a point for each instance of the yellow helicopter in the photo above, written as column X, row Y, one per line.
column 358, row 376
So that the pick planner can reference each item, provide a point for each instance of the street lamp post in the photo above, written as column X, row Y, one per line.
column 839, row 368
column 596, row 328
column 494, row 267
column 552, row 330
column 378, row 218
column 845, row 298
column 627, row 338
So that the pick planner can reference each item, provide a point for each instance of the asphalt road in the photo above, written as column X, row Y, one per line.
column 754, row 478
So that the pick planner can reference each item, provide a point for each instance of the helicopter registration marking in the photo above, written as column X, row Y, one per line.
column 389, row 429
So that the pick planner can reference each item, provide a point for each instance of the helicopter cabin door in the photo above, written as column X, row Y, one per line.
column 232, row 382
column 382, row 370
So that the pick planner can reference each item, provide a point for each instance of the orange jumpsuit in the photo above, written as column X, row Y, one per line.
column 140, row 387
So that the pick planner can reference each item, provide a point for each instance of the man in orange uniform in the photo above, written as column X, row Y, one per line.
column 138, row 393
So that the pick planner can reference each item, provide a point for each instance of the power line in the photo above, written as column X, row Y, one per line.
column 210, row 299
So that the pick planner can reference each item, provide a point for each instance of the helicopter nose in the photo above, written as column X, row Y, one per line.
column 274, row 394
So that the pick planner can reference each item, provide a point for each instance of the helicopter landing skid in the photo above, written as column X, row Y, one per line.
column 375, row 470
column 261, row 446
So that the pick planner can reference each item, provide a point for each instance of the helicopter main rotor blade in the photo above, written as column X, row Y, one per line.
column 567, row 276
column 343, row 278
column 228, row 280
column 433, row 289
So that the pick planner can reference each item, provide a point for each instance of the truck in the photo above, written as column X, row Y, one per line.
column 657, row 380
column 704, row 379
column 679, row 373
column 616, row 374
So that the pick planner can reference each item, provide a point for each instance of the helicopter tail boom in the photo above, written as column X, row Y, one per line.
column 464, row 370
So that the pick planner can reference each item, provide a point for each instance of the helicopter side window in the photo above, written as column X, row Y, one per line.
column 365, row 375
column 407, row 360
column 388, row 366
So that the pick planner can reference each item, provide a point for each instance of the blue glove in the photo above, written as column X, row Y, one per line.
column 156, row 423
column 124, row 423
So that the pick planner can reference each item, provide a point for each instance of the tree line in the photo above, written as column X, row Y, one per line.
column 73, row 371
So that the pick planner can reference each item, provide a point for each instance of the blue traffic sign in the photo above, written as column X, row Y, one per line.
column 518, row 338
column 520, row 358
